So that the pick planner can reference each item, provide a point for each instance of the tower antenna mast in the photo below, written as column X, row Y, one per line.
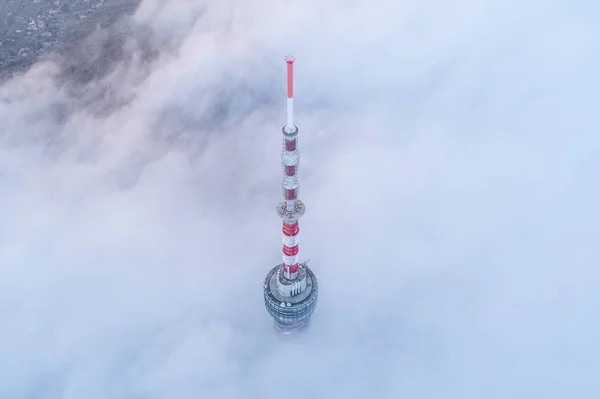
column 290, row 288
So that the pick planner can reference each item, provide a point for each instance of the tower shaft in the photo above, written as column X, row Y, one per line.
column 290, row 288
column 291, row 208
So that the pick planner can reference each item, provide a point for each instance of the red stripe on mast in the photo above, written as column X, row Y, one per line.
column 290, row 251
column 290, row 229
column 290, row 76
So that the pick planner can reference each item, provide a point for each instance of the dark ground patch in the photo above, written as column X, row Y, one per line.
column 70, row 25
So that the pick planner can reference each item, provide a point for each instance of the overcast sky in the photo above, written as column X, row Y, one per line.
column 450, row 169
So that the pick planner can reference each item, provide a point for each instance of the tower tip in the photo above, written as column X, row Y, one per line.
column 290, row 86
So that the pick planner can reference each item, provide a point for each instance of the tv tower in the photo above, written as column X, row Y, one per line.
column 290, row 288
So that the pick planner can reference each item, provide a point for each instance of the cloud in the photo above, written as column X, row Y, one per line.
column 449, row 164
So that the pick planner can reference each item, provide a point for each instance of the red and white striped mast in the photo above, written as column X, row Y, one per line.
column 291, row 209
column 290, row 288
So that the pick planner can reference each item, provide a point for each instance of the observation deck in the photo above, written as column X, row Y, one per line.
column 290, row 312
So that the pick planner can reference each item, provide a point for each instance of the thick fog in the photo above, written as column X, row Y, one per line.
column 450, row 169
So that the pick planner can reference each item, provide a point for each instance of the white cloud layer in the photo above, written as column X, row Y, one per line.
column 450, row 171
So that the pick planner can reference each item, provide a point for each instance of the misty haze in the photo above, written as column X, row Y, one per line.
column 450, row 167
